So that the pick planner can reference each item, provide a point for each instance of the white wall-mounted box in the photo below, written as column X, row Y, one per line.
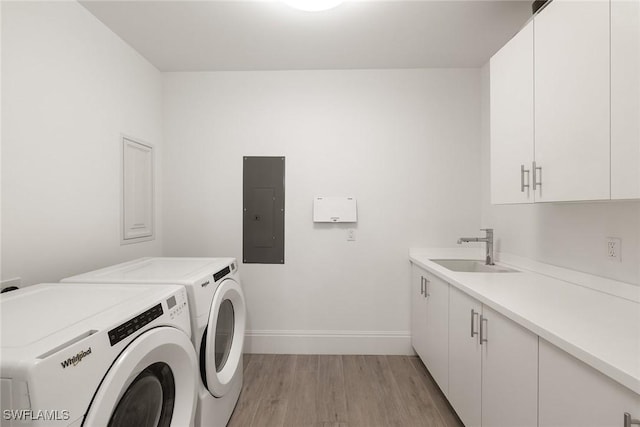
column 335, row 209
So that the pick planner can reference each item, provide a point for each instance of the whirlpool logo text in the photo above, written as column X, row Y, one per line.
column 73, row 361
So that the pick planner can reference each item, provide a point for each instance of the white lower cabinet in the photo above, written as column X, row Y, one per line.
column 574, row 394
column 465, row 359
column 495, row 373
column 509, row 373
column 418, row 313
column 493, row 366
column 429, row 323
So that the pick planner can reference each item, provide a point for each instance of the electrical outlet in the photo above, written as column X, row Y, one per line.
column 614, row 249
column 351, row 235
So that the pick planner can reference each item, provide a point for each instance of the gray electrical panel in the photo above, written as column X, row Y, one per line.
column 263, row 210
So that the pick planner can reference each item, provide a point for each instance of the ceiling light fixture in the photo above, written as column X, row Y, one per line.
column 313, row 5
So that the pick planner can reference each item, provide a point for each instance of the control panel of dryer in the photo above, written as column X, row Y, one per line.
column 220, row 274
column 177, row 305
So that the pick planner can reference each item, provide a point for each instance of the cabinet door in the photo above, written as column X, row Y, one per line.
column 465, row 358
column 511, row 86
column 625, row 99
column 509, row 373
column 418, row 312
column 572, row 132
column 437, row 341
column 574, row 394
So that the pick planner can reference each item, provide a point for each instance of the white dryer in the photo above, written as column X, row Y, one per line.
column 218, row 317
column 77, row 355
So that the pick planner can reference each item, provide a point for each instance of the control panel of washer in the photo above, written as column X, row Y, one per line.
column 133, row 325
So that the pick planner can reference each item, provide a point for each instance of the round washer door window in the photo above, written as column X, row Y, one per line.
column 153, row 382
column 149, row 400
column 221, row 349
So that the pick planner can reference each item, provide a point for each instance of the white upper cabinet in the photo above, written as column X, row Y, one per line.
column 565, row 105
column 572, row 126
column 625, row 99
column 511, row 86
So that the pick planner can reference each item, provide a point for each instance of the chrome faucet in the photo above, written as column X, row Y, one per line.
column 488, row 239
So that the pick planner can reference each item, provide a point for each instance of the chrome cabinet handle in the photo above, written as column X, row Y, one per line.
column 483, row 333
column 426, row 287
column 628, row 421
column 473, row 315
column 537, row 183
column 421, row 285
column 522, row 184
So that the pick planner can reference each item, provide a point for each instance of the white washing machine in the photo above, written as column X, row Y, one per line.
column 218, row 317
column 77, row 355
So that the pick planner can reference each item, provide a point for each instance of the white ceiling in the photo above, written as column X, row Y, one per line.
column 269, row 35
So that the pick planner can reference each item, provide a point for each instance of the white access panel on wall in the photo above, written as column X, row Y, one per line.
column 334, row 209
column 137, row 191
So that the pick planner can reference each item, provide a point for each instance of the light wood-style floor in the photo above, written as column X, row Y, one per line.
column 339, row 391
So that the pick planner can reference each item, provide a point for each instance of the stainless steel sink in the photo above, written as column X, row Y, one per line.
column 472, row 266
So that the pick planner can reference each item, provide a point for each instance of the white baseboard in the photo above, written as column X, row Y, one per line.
column 328, row 342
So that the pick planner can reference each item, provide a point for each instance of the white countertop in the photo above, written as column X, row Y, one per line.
column 601, row 329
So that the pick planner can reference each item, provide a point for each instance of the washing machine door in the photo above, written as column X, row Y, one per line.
column 223, row 340
column 153, row 382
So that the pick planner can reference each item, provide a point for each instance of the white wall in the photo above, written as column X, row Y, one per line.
column 70, row 87
column 569, row 235
column 405, row 143
column 1, row 97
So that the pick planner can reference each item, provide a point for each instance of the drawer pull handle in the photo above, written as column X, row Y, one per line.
column 473, row 323
column 522, row 184
column 484, row 323
column 537, row 176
